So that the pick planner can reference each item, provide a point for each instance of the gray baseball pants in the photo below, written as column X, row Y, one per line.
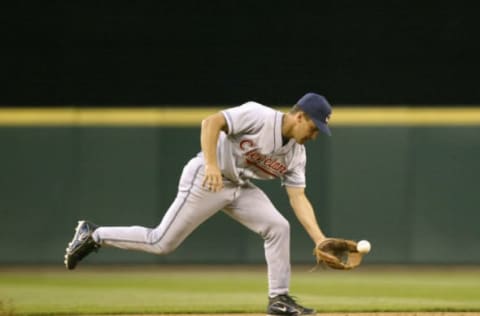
column 193, row 205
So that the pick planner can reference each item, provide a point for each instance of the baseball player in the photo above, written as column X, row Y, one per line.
column 250, row 141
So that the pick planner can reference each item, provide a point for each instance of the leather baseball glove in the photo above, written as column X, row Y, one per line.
column 338, row 253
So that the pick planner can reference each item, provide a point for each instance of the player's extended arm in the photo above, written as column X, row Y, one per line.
column 211, row 127
column 304, row 211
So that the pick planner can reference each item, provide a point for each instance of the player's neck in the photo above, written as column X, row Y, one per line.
column 287, row 125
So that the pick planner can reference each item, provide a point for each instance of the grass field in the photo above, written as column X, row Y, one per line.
column 150, row 290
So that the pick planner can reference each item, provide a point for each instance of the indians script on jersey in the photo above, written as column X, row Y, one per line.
column 267, row 164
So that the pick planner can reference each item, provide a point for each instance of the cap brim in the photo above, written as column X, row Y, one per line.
column 323, row 127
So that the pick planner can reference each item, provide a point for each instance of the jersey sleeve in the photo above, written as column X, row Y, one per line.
column 295, row 177
column 244, row 119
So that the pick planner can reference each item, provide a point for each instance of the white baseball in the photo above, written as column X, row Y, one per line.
column 363, row 246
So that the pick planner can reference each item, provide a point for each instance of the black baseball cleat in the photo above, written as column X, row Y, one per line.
column 285, row 305
column 81, row 245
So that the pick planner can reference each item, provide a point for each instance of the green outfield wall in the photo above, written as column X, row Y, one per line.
column 406, row 183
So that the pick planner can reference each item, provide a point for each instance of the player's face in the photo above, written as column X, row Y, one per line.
column 307, row 130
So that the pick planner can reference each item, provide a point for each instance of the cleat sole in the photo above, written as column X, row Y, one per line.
column 74, row 252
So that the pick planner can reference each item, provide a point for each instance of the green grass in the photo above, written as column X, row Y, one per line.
column 232, row 290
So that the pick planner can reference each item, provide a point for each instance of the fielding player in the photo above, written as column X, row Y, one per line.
column 250, row 141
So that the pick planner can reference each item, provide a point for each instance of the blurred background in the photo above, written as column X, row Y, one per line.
column 408, row 184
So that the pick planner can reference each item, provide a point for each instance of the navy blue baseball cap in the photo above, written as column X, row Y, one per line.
column 318, row 109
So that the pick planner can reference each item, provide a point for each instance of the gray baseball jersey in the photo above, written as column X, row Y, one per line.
column 253, row 148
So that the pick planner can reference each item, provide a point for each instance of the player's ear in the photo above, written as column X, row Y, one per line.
column 302, row 116
column 299, row 116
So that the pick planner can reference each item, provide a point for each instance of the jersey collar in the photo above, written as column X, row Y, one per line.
column 278, row 139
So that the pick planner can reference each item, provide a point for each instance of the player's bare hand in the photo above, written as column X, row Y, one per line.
column 213, row 178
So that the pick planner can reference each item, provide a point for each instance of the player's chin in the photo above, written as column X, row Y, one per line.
column 302, row 141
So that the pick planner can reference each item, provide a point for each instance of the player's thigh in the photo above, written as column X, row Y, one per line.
column 194, row 203
column 254, row 209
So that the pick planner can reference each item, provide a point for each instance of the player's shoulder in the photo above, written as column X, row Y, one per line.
column 253, row 110
column 299, row 149
column 257, row 106
column 249, row 117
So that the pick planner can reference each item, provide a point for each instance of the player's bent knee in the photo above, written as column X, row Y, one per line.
column 284, row 227
column 277, row 229
column 161, row 248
